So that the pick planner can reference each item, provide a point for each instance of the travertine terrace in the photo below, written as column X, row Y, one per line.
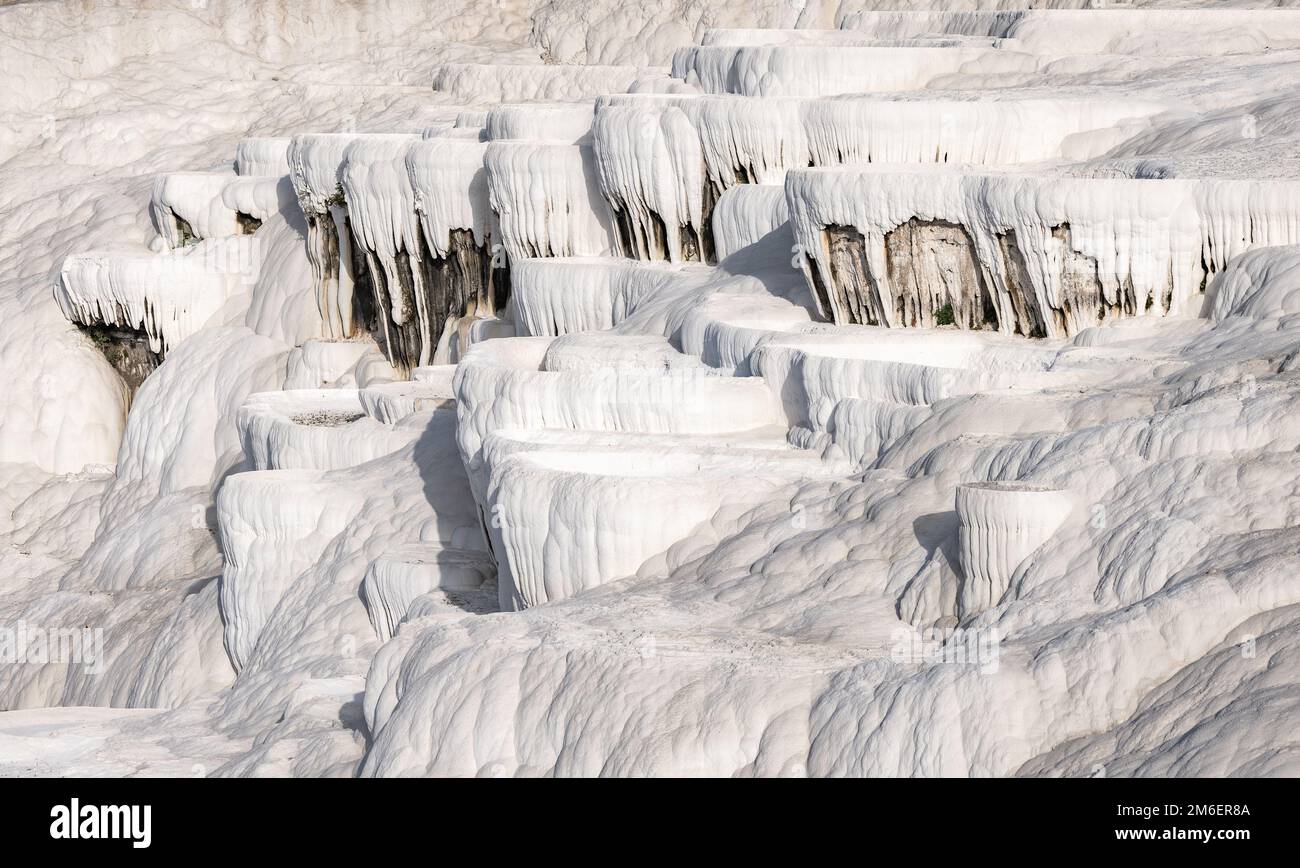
column 587, row 389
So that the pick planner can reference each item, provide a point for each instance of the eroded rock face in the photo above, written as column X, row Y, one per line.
column 648, row 237
column 1027, row 315
column 344, row 293
column 936, row 278
column 469, row 282
column 662, row 213
column 846, row 249
column 181, row 229
column 932, row 267
column 393, row 290
column 248, row 224
column 1083, row 299
column 1057, row 255
column 127, row 350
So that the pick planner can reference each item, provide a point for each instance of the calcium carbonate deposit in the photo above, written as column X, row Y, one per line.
column 750, row 388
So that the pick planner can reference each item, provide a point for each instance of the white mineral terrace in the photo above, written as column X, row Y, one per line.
column 492, row 83
column 450, row 191
column 167, row 296
column 1053, row 255
column 1117, row 31
column 189, row 206
column 635, row 399
column 557, row 296
column 827, row 70
column 262, row 156
column 751, row 139
column 568, row 122
column 395, row 581
column 548, row 199
column 316, row 164
column 321, row 429
column 644, row 496
column 390, row 403
column 604, row 388
column 1001, row 524
column 258, row 196
column 808, row 36
column 322, row 362
column 274, row 523
column 663, row 160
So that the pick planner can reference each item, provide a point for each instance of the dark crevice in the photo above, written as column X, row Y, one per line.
column 466, row 282
column 127, row 350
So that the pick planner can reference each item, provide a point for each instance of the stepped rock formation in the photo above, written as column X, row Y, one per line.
column 609, row 388
column 1001, row 524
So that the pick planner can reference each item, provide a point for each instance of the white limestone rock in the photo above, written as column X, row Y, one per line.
column 566, row 515
column 1001, row 524
column 567, row 122
column 744, row 215
column 547, row 198
column 395, row 580
column 258, row 197
column 1026, row 254
column 720, row 516
column 167, row 296
column 316, row 429
column 494, row 83
column 322, row 362
column 390, row 403
column 262, row 156
column 189, row 206
column 274, row 524
column 1205, row 31
column 556, row 296
column 828, row 70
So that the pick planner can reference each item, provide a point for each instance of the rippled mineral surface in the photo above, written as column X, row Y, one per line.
column 600, row 387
